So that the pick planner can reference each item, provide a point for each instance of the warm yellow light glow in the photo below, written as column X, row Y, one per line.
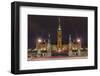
column 78, row 40
column 74, row 48
column 43, row 49
column 39, row 40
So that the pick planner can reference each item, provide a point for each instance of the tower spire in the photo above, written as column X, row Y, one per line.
column 49, row 46
column 49, row 35
column 69, row 38
column 59, row 26
column 70, row 45
column 59, row 36
column 59, row 20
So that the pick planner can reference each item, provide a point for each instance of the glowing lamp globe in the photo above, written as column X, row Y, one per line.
column 78, row 40
column 39, row 40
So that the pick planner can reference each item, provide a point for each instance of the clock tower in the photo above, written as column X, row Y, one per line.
column 59, row 37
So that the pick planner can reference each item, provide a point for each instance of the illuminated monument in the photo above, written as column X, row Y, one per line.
column 45, row 47
column 49, row 46
column 70, row 46
column 59, row 37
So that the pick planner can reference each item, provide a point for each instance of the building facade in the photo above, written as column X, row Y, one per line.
column 48, row 47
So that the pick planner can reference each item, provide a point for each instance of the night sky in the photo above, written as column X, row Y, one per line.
column 40, row 26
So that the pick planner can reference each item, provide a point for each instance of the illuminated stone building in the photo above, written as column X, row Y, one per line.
column 47, row 46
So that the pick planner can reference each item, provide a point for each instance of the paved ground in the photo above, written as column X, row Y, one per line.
column 56, row 58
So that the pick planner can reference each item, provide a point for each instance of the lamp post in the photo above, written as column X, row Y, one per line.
column 79, row 47
column 78, row 40
column 39, row 40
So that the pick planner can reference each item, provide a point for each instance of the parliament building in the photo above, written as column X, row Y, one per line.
column 46, row 48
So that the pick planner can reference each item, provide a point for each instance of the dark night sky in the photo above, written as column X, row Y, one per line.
column 40, row 26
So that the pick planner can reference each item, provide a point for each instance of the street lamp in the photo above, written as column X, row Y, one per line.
column 78, row 40
column 79, row 46
column 39, row 40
